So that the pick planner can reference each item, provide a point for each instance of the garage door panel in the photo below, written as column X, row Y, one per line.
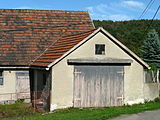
column 77, row 88
column 98, row 86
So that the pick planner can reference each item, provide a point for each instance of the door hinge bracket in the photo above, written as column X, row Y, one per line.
column 77, row 72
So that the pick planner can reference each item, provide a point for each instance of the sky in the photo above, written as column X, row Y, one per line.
column 116, row 10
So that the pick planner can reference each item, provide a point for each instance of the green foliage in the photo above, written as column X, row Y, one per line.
column 152, row 66
column 151, row 46
column 131, row 33
column 157, row 99
column 151, row 49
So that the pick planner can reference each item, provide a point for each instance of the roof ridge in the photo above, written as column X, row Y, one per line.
column 42, row 10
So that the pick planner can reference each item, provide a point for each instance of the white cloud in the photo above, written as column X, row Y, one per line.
column 107, row 12
column 132, row 3
column 102, row 8
column 120, row 17
column 120, row 10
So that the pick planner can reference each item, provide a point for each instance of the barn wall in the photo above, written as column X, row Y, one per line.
column 9, row 85
column 150, row 91
column 8, row 89
column 62, row 75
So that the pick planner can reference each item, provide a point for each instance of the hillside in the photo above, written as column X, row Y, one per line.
column 130, row 33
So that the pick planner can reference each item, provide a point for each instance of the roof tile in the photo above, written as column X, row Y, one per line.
column 58, row 49
column 25, row 34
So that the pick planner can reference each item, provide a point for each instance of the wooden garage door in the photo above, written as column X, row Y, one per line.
column 98, row 86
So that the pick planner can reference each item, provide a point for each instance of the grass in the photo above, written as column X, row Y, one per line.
column 89, row 113
column 16, row 110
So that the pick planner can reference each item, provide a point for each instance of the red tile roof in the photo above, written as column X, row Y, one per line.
column 25, row 34
column 58, row 49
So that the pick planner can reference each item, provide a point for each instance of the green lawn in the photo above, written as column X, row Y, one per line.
column 16, row 110
column 88, row 113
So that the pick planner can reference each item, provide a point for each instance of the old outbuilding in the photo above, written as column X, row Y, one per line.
column 70, row 63
column 93, row 69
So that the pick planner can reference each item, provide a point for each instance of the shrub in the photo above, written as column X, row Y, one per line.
column 20, row 101
column 157, row 99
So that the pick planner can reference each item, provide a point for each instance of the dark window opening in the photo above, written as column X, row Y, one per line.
column 1, row 77
column 100, row 49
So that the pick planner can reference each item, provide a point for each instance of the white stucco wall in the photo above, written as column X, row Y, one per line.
column 9, row 85
column 62, row 74
column 150, row 91
column 8, row 89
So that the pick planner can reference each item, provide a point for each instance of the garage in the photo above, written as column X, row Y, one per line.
column 98, row 71
column 98, row 82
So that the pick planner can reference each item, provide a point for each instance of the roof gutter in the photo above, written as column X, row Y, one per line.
column 23, row 67
column 16, row 67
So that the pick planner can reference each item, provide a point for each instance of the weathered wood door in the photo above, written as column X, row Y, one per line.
column 22, row 85
column 98, row 86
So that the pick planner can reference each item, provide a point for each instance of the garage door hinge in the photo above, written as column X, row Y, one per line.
column 120, row 72
column 77, row 99
column 77, row 72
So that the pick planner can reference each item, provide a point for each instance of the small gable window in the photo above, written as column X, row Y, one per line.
column 99, row 49
column 1, row 77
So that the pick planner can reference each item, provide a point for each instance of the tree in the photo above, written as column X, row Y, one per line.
column 151, row 53
column 151, row 46
column 130, row 33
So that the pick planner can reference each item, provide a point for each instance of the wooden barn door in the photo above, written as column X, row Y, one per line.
column 98, row 86
column 22, row 85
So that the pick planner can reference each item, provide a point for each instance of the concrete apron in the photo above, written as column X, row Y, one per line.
column 147, row 115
